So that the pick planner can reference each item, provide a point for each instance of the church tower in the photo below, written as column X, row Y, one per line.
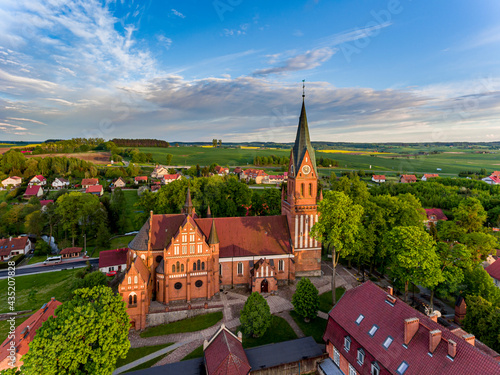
column 299, row 202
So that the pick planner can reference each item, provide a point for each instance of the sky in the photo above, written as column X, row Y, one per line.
column 374, row 70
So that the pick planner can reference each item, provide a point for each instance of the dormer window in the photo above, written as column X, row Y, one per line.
column 375, row 369
column 347, row 343
column 388, row 341
column 372, row 330
column 360, row 319
column 361, row 357
column 402, row 368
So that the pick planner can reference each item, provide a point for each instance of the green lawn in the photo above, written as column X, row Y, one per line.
column 115, row 243
column 51, row 284
column 37, row 259
column 5, row 326
column 136, row 353
column 315, row 328
column 325, row 299
column 148, row 364
column 131, row 198
column 279, row 331
column 197, row 353
column 196, row 323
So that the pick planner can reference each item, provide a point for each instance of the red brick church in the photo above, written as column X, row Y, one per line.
column 183, row 257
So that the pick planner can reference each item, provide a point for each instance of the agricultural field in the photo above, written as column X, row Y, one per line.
column 100, row 158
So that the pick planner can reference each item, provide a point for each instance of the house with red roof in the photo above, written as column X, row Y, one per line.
column 13, row 246
column 45, row 203
column 159, row 171
column 221, row 171
column 140, row 179
column 494, row 271
column 493, row 179
column 95, row 189
column 24, row 334
column 33, row 191
column 407, row 178
column 433, row 216
column 71, row 252
column 113, row 260
column 86, row 182
column 426, row 176
column 258, row 175
column 370, row 331
column 379, row 178
column 119, row 183
column 13, row 181
column 168, row 178
column 275, row 179
column 38, row 180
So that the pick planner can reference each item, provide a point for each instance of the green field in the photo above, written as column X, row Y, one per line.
column 115, row 243
column 196, row 323
column 450, row 161
column 131, row 198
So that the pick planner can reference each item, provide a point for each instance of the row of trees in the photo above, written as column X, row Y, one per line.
column 270, row 160
column 66, row 146
column 121, row 142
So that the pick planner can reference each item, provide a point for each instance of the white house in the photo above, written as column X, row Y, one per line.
column 380, row 178
column 33, row 191
column 38, row 180
column 10, row 247
column 492, row 180
column 168, row 178
column 159, row 171
column 113, row 260
column 426, row 176
column 13, row 181
column 60, row 183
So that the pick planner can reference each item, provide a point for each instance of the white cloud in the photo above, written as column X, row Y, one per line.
column 178, row 14
column 26, row 120
column 164, row 41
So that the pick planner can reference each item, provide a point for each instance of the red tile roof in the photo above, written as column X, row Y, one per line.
column 378, row 177
column 94, row 189
column 370, row 300
column 435, row 212
column 7, row 245
column 431, row 175
column 494, row 269
column 408, row 177
column 225, row 355
column 39, row 177
column 237, row 170
column 113, row 257
column 32, row 191
column 90, row 181
column 141, row 178
column 496, row 173
column 171, row 176
column 45, row 202
column 26, row 331
column 71, row 250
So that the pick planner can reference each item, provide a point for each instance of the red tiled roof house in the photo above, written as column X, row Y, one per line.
column 86, row 182
column 379, row 178
column 71, row 252
column 38, row 180
column 407, row 178
column 140, row 179
column 10, row 247
column 494, row 271
column 33, row 191
column 13, row 181
column 113, row 260
column 95, row 189
column 433, row 216
column 426, row 176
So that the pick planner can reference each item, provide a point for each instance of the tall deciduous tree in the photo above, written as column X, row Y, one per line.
column 169, row 158
column 305, row 300
column 413, row 257
column 470, row 215
column 483, row 321
column 85, row 336
column 256, row 315
column 337, row 227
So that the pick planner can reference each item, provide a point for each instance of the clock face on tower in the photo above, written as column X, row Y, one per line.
column 306, row 169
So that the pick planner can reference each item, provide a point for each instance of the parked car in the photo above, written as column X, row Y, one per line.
column 54, row 260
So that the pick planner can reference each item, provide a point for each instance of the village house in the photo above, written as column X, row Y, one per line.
column 276, row 179
column 119, row 183
column 224, row 354
column 140, row 179
column 60, row 183
column 379, row 178
column 433, row 216
column 221, row 171
column 407, row 178
column 38, row 180
column 370, row 331
column 25, row 333
column 494, row 271
column 493, row 179
column 113, row 260
column 183, row 257
column 86, row 182
column 159, row 171
column 13, row 181
column 257, row 175
column 168, row 178
column 33, row 191
column 237, row 171
column 426, row 176
column 95, row 189
column 45, row 203
column 13, row 246
column 71, row 252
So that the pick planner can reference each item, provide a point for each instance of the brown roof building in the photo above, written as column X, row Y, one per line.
column 407, row 178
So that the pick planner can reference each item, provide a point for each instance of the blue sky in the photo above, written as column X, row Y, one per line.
column 375, row 71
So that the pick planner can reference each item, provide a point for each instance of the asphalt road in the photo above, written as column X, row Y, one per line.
column 29, row 270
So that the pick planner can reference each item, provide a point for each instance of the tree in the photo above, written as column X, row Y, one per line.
column 433, row 231
column 470, row 215
column 220, row 142
column 337, row 227
column 413, row 257
column 305, row 300
column 91, row 280
column 333, row 178
column 86, row 335
column 169, row 158
column 477, row 282
column 483, row 321
column 256, row 315
column 42, row 248
column 35, row 222
column 214, row 142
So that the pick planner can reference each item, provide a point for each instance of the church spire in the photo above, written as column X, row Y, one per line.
column 213, row 238
column 188, row 206
column 209, row 213
column 302, row 140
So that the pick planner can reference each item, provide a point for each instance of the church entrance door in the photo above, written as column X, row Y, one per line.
column 264, row 286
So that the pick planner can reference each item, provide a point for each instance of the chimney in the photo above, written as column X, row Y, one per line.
column 434, row 317
column 471, row 339
column 52, row 298
column 410, row 328
column 391, row 299
column 240, row 336
column 434, row 340
column 452, row 348
column 390, row 290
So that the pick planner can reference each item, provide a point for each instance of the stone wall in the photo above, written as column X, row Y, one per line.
column 155, row 319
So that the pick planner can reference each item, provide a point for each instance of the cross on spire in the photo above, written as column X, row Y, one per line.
column 303, row 88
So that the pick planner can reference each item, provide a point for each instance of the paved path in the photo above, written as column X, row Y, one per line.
column 286, row 315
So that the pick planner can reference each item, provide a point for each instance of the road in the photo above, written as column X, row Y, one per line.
column 29, row 270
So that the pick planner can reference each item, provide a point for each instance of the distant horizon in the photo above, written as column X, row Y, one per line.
column 396, row 71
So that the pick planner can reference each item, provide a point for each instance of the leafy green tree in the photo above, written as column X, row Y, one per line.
column 91, row 280
column 117, row 217
column 477, row 282
column 356, row 189
column 35, row 222
column 103, row 235
column 481, row 244
column 413, row 257
column 337, row 228
column 86, row 335
column 433, row 231
column 305, row 300
column 42, row 248
column 333, row 178
column 169, row 158
column 483, row 321
column 256, row 315
column 10, row 371
column 470, row 215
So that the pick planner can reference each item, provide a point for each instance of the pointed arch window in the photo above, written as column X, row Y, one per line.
column 194, row 266
column 135, row 279
column 182, row 267
column 129, row 280
column 310, row 190
column 220, row 269
column 178, row 267
column 173, row 268
column 302, row 189
column 203, row 266
column 198, row 264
